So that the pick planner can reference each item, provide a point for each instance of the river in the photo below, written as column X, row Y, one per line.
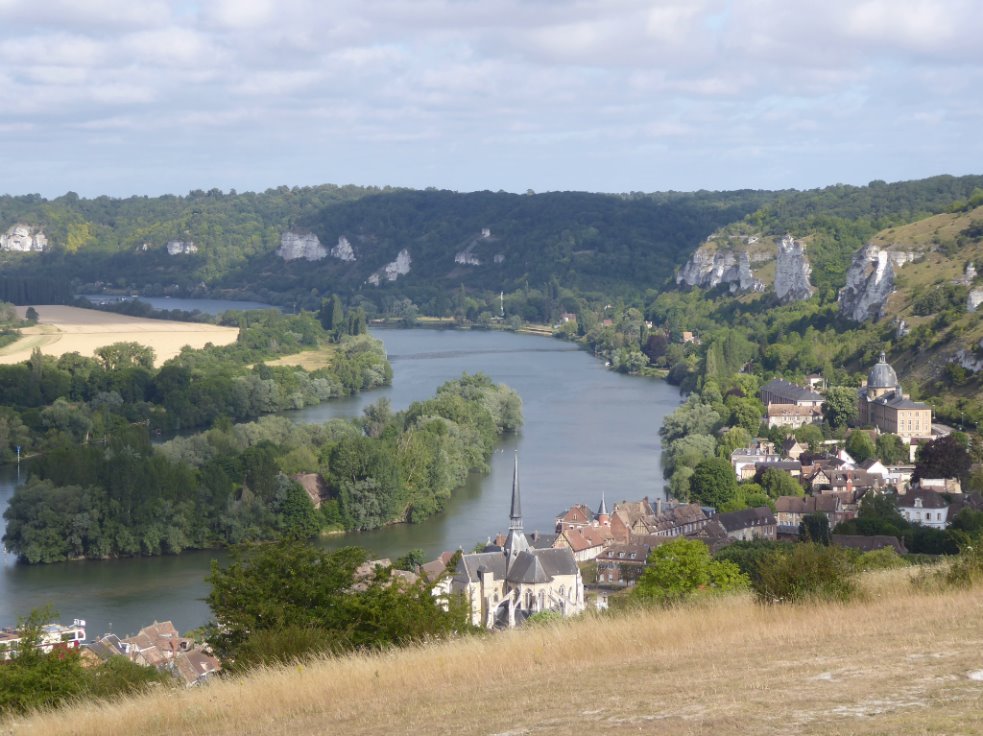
column 587, row 430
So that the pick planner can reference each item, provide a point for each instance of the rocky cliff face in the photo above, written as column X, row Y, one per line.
column 792, row 271
column 181, row 248
column 24, row 238
column 708, row 268
column 343, row 251
column 294, row 246
column 870, row 281
column 392, row 271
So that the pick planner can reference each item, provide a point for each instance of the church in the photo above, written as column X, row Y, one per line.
column 884, row 405
column 506, row 585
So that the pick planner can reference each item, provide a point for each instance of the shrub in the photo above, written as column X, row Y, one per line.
column 683, row 568
column 879, row 559
column 808, row 572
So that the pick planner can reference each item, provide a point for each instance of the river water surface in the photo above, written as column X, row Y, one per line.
column 587, row 430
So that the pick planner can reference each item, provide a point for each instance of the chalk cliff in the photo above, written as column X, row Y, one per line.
column 294, row 246
column 392, row 271
column 870, row 281
column 792, row 271
column 24, row 238
column 181, row 247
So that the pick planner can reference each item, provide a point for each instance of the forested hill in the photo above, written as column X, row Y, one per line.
column 482, row 240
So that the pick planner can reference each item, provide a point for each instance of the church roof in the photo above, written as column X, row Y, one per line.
column 542, row 565
column 470, row 566
column 882, row 375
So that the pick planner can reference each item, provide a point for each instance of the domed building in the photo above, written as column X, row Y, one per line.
column 884, row 405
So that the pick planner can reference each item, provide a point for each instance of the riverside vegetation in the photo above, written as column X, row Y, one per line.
column 232, row 483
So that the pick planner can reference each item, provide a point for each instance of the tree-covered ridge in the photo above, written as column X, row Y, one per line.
column 234, row 484
column 580, row 238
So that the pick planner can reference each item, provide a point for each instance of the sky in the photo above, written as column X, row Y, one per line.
column 124, row 97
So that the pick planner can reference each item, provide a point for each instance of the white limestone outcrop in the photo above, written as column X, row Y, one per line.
column 870, row 281
column 792, row 271
column 24, row 239
column 343, row 251
column 294, row 246
column 392, row 271
column 709, row 267
column 974, row 299
column 181, row 247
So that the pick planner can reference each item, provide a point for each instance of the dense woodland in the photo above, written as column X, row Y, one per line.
column 49, row 402
column 233, row 483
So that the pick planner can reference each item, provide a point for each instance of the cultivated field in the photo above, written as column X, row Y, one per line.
column 63, row 330
column 901, row 662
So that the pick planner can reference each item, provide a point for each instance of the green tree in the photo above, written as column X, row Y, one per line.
column 944, row 457
column 683, row 568
column 815, row 528
column 891, row 450
column 860, row 446
column 810, row 435
column 32, row 679
column 840, row 406
column 280, row 601
column 807, row 572
column 779, row 483
column 713, row 483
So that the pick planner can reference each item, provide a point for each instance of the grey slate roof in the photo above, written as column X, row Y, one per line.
column 467, row 568
column 529, row 566
column 790, row 391
column 746, row 518
column 882, row 375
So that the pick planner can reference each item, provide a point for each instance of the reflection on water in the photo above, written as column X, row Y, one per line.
column 586, row 430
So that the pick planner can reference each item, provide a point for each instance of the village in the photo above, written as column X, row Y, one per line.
column 515, row 576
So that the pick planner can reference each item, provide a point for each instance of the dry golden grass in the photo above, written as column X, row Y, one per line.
column 897, row 663
column 63, row 330
column 309, row 360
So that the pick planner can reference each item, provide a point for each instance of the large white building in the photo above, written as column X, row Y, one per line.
column 506, row 585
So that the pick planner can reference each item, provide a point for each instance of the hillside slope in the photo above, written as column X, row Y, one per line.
column 899, row 663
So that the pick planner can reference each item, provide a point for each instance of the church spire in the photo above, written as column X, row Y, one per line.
column 516, row 541
column 515, row 517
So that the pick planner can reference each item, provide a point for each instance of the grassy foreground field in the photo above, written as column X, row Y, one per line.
column 63, row 330
column 900, row 662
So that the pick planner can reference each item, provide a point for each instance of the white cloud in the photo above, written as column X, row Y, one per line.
column 752, row 78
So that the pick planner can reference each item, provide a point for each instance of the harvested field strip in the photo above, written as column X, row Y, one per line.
column 70, row 329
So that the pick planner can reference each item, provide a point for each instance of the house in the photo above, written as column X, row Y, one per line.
column 628, row 517
column 791, row 467
column 777, row 391
column 869, row 544
column 927, row 508
column 792, row 416
column 586, row 543
column 162, row 647
column 791, row 510
column 504, row 587
column 940, row 485
column 622, row 564
column 677, row 520
column 748, row 524
column 744, row 459
column 883, row 404
column 793, row 449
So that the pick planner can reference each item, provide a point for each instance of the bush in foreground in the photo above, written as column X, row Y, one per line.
column 683, row 568
column 807, row 572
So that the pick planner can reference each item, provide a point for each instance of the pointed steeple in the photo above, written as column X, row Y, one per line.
column 515, row 517
column 516, row 541
column 603, row 518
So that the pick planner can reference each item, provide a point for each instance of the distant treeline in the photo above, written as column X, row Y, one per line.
column 28, row 290
column 233, row 484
